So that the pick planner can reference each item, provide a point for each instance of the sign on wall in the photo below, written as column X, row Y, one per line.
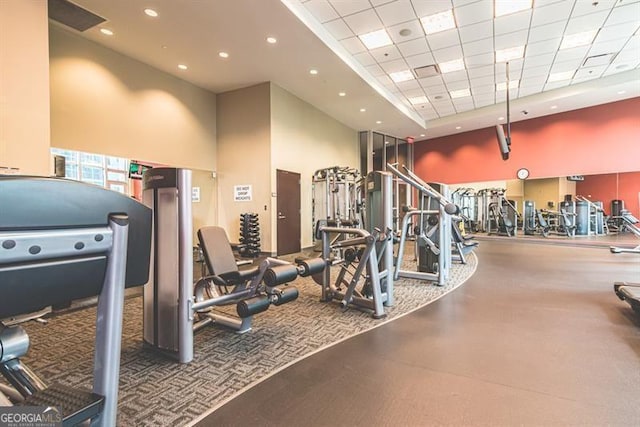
column 242, row 193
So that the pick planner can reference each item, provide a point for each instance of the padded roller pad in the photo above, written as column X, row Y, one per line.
column 251, row 306
column 286, row 295
column 280, row 274
column 311, row 266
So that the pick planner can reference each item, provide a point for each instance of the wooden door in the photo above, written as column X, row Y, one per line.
column 288, row 205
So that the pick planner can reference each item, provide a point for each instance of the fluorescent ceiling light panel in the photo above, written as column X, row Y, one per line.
column 439, row 22
column 460, row 93
column 506, row 7
column 504, row 55
column 513, row 84
column 579, row 39
column 376, row 39
column 401, row 76
column 450, row 66
column 417, row 100
column 556, row 77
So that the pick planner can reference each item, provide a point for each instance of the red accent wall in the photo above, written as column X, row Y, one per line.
column 607, row 187
column 594, row 140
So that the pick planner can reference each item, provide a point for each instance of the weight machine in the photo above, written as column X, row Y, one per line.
column 336, row 196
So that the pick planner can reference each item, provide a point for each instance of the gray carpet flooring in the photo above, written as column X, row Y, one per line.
column 155, row 390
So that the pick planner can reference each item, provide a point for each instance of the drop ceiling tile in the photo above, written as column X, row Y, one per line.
column 459, row 85
column 542, row 3
column 444, row 39
column 555, row 12
column 353, row 45
column 539, row 80
column 413, row 26
column 429, row 7
column 365, row 58
column 479, row 31
column 616, row 65
column 478, row 47
column 540, row 48
column 444, row 110
column 589, row 22
column 513, row 22
column 517, row 38
column 408, row 85
column 431, row 82
column 486, row 70
column 463, row 106
column 483, row 90
column 529, row 73
column 531, row 90
column 387, row 53
column 578, row 53
column 473, row 13
column 396, row 12
column 456, row 76
column 590, row 73
column 414, row 47
column 386, row 81
column 458, row 3
column 556, row 85
column 484, row 102
column 394, row 66
column 375, row 70
column 479, row 60
column 321, row 10
column 561, row 67
column 411, row 93
column 587, row 7
column 380, row 2
column 348, row 7
column 538, row 60
column 364, row 22
column 448, row 54
column 547, row 32
column 613, row 32
column 482, row 81
column 422, row 60
column 515, row 70
column 625, row 13
column 338, row 29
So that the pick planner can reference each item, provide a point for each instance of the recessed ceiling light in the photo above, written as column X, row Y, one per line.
column 313, row 71
column 460, row 93
column 378, row 122
column 458, row 127
column 513, row 84
column 553, row 107
column 504, row 55
column 620, row 92
column 362, row 110
column 500, row 118
column 375, row 39
column 405, row 32
column 439, row 22
column 106, row 31
column 449, row 66
column 272, row 40
column 342, row 94
column 401, row 76
column 182, row 66
column 152, row 13
column 422, row 134
column 556, row 77
column 506, row 7
column 223, row 54
column 416, row 100
column 579, row 39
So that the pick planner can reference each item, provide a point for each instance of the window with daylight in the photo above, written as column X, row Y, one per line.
column 106, row 171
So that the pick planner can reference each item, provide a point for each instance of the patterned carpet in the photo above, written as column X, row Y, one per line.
column 155, row 391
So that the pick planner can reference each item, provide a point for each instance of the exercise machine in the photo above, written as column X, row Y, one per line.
column 631, row 223
column 336, row 196
column 63, row 240
column 173, row 308
column 590, row 219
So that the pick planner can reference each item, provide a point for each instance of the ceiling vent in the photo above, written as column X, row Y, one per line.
column 594, row 61
column 427, row 71
column 73, row 15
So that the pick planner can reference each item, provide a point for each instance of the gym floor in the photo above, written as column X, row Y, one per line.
column 535, row 337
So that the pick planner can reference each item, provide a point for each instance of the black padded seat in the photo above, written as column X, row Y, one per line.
column 219, row 256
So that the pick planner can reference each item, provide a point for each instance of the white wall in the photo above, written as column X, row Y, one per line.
column 24, row 86
column 105, row 102
column 303, row 140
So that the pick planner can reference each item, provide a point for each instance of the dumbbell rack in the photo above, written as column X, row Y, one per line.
column 249, row 235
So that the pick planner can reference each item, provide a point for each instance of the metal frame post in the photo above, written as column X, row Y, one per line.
column 185, row 260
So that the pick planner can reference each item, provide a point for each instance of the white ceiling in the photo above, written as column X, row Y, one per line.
column 322, row 34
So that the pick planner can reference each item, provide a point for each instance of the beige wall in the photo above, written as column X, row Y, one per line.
column 542, row 191
column 303, row 140
column 105, row 102
column 24, row 86
column 244, row 158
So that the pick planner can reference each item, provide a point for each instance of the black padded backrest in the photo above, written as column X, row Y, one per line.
column 457, row 235
column 217, row 250
column 29, row 204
